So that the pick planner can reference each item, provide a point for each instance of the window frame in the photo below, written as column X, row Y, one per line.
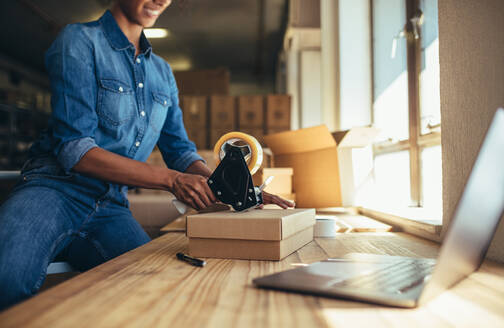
column 416, row 141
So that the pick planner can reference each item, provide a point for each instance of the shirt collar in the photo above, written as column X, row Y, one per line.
column 116, row 37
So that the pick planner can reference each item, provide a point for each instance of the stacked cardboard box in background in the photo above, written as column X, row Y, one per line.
column 251, row 116
column 278, row 113
column 195, row 113
column 222, row 117
column 207, row 118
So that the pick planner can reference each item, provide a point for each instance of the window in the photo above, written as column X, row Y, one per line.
column 406, row 106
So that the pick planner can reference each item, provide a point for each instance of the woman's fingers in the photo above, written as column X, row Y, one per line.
column 273, row 199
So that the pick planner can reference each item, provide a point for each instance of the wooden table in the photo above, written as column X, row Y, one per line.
column 148, row 287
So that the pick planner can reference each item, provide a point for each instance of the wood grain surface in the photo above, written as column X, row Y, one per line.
column 148, row 287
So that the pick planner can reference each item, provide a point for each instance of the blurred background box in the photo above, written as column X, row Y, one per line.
column 203, row 82
column 198, row 135
column 276, row 130
column 195, row 110
column 281, row 183
column 278, row 112
column 250, row 111
column 222, row 112
column 153, row 211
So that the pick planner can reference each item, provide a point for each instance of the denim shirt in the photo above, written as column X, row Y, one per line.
column 102, row 96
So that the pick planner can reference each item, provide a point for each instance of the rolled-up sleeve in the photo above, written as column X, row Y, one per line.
column 70, row 63
column 177, row 150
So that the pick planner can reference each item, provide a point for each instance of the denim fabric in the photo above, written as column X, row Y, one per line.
column 102, row 96
column 48, row 215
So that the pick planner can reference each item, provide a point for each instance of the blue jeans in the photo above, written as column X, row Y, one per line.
column 51, row 213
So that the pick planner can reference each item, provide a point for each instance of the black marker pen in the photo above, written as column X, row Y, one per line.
column 191, row 260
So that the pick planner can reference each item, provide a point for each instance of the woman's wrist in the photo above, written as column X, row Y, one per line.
column 169, row 178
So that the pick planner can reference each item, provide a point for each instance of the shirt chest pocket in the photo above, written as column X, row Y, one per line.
column 160, row 105
column 116, row 104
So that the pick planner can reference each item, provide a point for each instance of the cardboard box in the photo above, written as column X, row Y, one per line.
column 153, row 211
column 267, row 234
column 195, row 111
column 313, row 155
column 355, row 154
column 222, row 112
column 250, row 112
column 281, row 183
column 203, row 82
column 276, row 130
column 278, row 111
column 198, row 135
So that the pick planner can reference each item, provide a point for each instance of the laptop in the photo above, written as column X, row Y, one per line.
column 410, row 282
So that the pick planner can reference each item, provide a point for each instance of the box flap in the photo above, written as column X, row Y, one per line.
column 300, row 141
column 355, row 137
column 266, row 224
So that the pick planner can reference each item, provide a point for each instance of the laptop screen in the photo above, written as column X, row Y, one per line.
column 476, row 217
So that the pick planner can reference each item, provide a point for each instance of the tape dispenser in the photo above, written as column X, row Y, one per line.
column 239, row 156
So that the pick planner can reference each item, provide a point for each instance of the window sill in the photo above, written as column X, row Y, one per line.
column 415, row 221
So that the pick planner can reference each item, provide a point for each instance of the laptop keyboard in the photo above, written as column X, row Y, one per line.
column 397, row 277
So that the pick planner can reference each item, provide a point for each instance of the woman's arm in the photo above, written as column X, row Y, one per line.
column 191, row 189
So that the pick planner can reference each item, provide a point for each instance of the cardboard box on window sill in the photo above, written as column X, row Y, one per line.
column 355, row 155
column 313, row 156
column 281, row 183
column 268, row 234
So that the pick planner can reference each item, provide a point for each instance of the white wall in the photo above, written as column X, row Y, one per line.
column 354, row 63
column 311, row 113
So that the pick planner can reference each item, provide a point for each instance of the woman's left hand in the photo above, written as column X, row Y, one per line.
column 274, row 199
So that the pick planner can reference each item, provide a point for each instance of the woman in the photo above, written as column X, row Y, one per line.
column 113, row 101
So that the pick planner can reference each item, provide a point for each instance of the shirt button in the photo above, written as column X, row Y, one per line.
column 138, row 60
column 121, row 89
column 142, row 113
column 140, row 85
column 165, row 102
column 137, row 143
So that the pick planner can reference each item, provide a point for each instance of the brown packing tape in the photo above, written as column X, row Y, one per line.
column 216, row 133
column 257, row 133
column 249, row 249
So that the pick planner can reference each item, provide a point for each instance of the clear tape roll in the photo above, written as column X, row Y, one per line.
column 256, row 151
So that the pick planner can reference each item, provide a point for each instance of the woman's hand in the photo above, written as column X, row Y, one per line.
column 193, row 190
column 273, row 199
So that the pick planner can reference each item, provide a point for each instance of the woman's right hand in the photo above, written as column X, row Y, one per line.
column 193, row 190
